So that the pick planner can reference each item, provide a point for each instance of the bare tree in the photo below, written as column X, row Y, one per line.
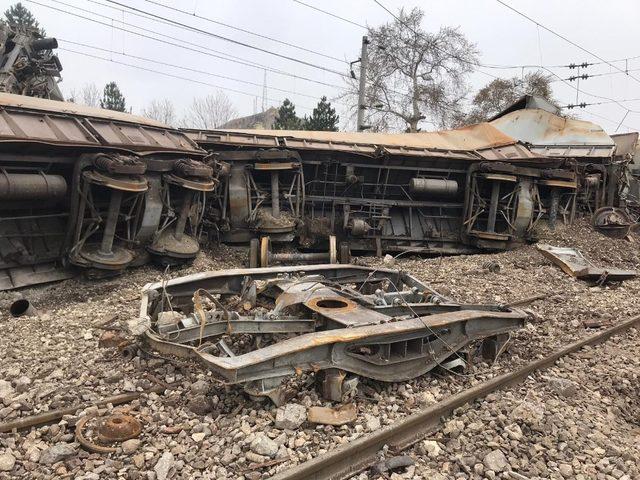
column 89, row 95
column 415, row 75
column 72, row 96
column 502, row 92
column 161, row 110
column 208, row 112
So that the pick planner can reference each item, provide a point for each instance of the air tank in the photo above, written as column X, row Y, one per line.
column 434, row 187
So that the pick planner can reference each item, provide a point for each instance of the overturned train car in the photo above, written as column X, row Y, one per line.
column 92, row 189
column 438, row 193
column 95, row 189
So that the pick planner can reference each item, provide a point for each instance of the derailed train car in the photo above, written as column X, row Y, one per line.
column 438, row 193
column 102, row 190
column 93, row 188
column 482, row 187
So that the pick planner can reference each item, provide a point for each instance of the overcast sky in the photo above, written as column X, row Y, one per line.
column 609, row 29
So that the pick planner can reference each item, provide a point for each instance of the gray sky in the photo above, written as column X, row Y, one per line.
column 608, row 29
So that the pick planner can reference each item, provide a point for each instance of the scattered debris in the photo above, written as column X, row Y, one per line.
column 111, row 339
column 333, row 416
column 492, row 266
column 573, row 263
column 613, row 222
column 99, row 434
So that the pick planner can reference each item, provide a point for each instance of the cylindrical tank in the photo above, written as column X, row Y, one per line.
column 436, row 187
column 32, row 186
column 44, row 44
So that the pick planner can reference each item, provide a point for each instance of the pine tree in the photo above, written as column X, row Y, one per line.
column 112, row 98
column 287, row 118
column 19, row 16
column 324, row 118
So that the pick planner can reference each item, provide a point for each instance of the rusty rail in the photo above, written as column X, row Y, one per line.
column 55, row 415
column 349, row 459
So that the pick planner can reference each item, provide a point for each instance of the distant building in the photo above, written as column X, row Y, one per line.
column 259, row 121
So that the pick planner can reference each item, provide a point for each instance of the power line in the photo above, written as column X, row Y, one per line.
column 158, row 72
column 231, row 40
column 165, row 19
column 183, row 44
column 332, row 14
column 217, row 22
column 615, row 122
column 611, row 100
column 180, row 45
column 583, row 104
column 586, row 76
column 165, row 64
column 501, row 2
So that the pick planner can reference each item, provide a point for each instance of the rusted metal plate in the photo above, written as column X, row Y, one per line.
column 626, row 144
column 36, row 120
column 469, row 138
column 573, row 263
column 341, row 415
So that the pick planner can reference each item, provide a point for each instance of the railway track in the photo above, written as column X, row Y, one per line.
column 354, row 457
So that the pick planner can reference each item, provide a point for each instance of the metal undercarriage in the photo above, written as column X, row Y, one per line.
column 256, row 327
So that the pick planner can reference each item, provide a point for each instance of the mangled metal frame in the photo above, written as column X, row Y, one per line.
column 339, row 320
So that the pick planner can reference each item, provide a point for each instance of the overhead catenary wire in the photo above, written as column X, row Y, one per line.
column 563, row 37
column 611, row 100
column 215, row 54
column 250, row 32
column 614, row 122
column 158, row 72
column 233, row 41
column 183, row 45
column 189, row 69
column 313, row 7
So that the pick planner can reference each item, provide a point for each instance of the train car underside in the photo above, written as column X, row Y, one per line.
column 387, row 204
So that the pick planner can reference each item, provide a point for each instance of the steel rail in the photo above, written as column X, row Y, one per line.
column 352, row 458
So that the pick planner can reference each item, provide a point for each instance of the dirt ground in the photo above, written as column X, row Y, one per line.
column 201, row 429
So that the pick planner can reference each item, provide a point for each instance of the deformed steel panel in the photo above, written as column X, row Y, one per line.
column 36, row 120
column 555, row 136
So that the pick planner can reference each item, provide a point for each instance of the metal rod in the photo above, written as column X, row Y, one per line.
column 298, row 257
column 553, row 208
column 55, row 415
column 493, row 207
column 112, row 220
column 275, row 194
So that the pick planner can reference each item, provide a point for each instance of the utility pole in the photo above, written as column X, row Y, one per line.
column 364, row 61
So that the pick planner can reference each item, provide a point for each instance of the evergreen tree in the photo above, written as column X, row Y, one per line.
column 19, row 16
column 112, row 98
column 324, row 117
column 287, row 118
